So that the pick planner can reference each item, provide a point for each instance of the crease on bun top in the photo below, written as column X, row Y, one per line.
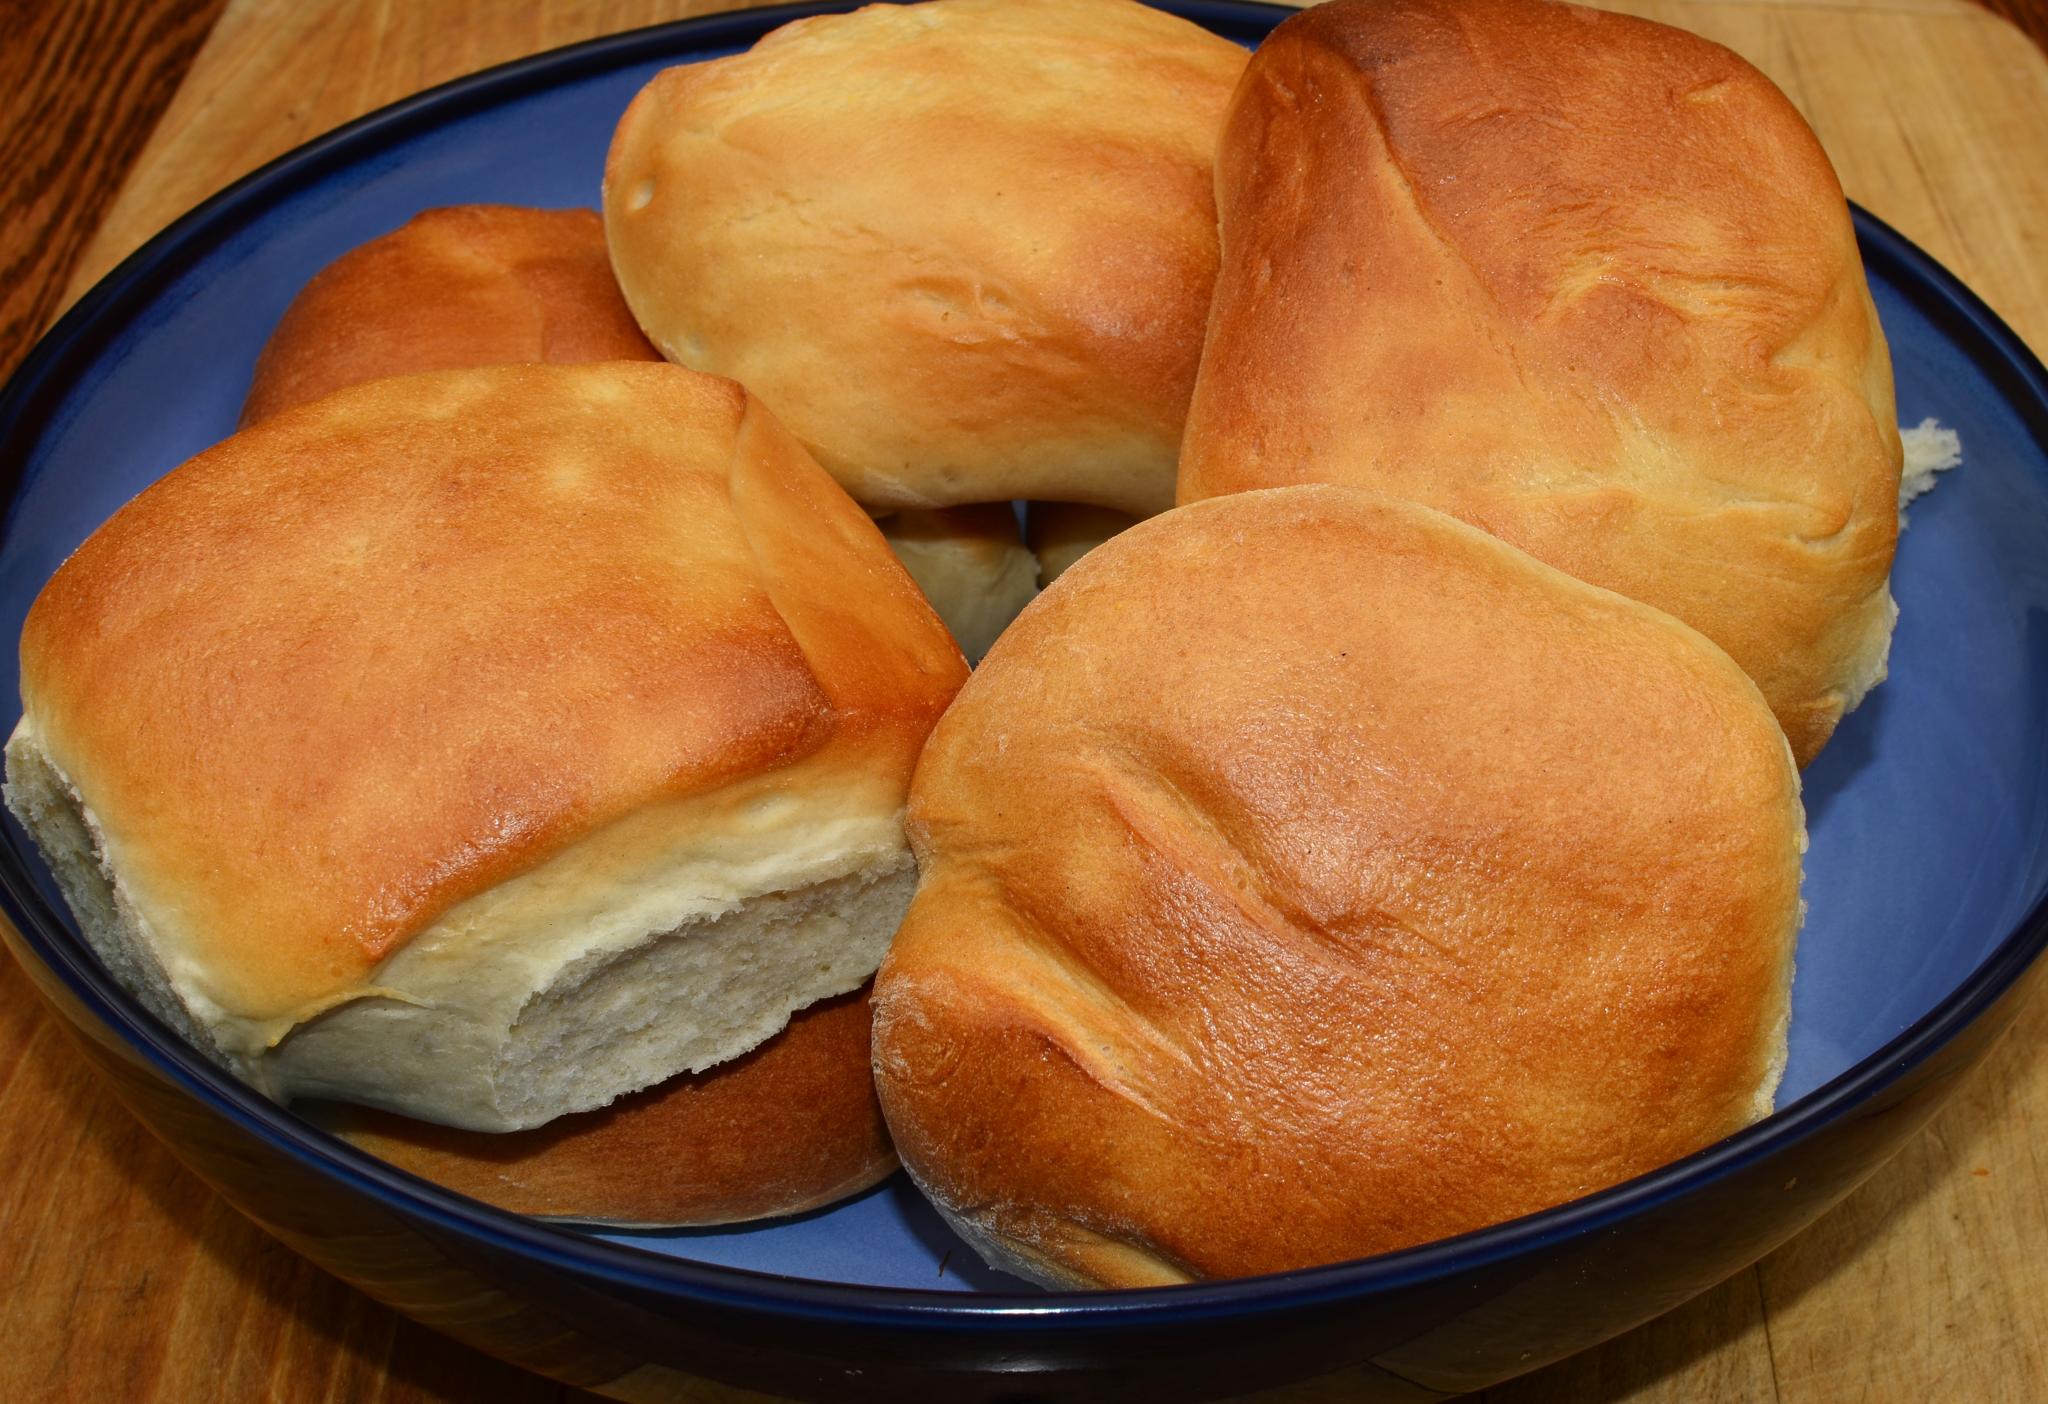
column 385, row 744
column 1582, row 280
column 963, row 249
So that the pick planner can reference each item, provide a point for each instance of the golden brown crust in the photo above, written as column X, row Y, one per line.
column 789, row 1127
column 380, row 653
column 1304, row 876
column 467, row 285
column 1584, row 281
column 962, row 249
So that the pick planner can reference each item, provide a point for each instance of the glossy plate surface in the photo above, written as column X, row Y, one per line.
column 1927, row 864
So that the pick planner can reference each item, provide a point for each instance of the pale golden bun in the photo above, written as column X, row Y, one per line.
column 483, row 745
column 791, row 1126
column 1306, row 875
column 1581, row 280
column 468, row 285
column 1060, row 533
column 963, row 249
column 972, row 565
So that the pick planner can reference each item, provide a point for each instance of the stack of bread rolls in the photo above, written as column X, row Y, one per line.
column 1400, row 834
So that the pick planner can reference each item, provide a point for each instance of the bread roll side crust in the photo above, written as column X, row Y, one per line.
column 971, row 564
column 1063, row 532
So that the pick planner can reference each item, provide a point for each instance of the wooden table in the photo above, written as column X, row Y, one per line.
column 123, row 1278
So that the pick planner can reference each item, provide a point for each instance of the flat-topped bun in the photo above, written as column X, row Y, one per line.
column 788, row 1127
column 963, row 249
column 1306, row 875
column 971, row 564
column 1060, row 533
column 468, row 285
column 1581, row 280
column 483, row 745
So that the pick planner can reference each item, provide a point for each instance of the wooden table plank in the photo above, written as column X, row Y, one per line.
column 2030, row 16
column 81, row 88
column 276, row 73
column 125, row 1278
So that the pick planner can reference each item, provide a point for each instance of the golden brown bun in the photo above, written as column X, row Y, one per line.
column 484, row 745
column 788, row 1127
column 792, row 1124
column 971, row 564
column 1584, row 281
column 469, row 285
column 962, row 249
column 1306, row 875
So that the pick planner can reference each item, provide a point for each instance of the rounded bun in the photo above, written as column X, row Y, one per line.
column 1306, row 875
column 468, row 285
column 963, row 249
column 791, row 1126
column 971, row 564
column 1583, row 281
column 484, row 745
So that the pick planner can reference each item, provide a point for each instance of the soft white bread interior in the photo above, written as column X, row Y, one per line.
column 963, row 249
column 1583, row 281
column 1306, row 875
column 1931, row 450
column 971, row 564
column 483, row 745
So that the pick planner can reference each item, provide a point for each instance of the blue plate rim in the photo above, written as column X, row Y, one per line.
column 69, row 347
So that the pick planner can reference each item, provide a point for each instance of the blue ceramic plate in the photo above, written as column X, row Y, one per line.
column 1925, row 877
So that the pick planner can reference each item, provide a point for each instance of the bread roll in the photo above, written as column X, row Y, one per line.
column 792, row 1124
column 1305, row 875
column 483, row 745
column 494, row 285
column 1060, row 533
column 1581, row 280
column 971, row 564
column 788, row 1127
column 962, row 249
column 469, row 285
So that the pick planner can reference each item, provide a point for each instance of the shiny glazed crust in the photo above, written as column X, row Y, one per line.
column 466, row 285
column 791, row 1126
column 962, row 249
column 1583, row 281
column 1304, row 876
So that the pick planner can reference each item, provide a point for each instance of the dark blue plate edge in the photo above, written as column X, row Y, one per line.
column 30, row 398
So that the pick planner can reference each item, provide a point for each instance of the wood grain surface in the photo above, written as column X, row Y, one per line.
column 123, row 1278
column 2029, row 15
column 81, row 86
